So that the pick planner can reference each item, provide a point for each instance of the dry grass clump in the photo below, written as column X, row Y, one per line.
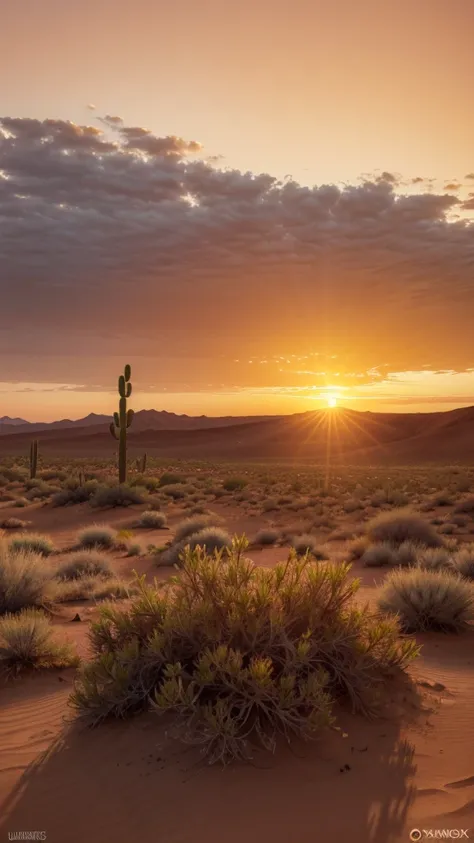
column 99, row 535
column 240, row 654
column 41, row 491
column 32, row 543
column 25, row 579
column 401, row 525
column 356, row 548
column 463, row 561
column 152, row 520
column 266, row 536
column 90, row 587
column 209, row 538
column 27, row 641
column 134, row 548
column 171, row 479
column 306, row 543
column 466, row 506
column 75, row 493
column 113, row 496
column 379, row 555
column 234, row 484
column 176, row 491
column 426, row 599
column 190, row 526
column 435, row 559
column 85, row 563
column 13, row 524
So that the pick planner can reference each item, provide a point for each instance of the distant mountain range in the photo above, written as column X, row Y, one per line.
column 340, row 436
column 143, row 420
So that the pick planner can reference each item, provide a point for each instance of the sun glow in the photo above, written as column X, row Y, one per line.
column 331, row 400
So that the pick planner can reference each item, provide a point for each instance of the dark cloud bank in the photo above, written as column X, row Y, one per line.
column 116, row 243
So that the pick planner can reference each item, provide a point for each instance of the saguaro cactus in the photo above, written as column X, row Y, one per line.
column 33, row 458
column 122, row 421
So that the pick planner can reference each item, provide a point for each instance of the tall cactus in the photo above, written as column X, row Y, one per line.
column 33, row 458
column 122, row 421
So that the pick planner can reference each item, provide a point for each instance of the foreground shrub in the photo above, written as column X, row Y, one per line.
column 401, row 525
column 123, row 495
column 25, row 579
column 152, row 520
column 27, row 641
column 85, row 563
column 99, row 535
column 425, row 599
column 239, row 653
column 32, row 543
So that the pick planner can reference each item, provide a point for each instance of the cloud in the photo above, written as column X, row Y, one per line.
column 116, row 242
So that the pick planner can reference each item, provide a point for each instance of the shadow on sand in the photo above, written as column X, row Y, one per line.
column 123, row 782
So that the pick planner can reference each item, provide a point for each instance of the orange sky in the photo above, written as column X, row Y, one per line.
column 326, row 92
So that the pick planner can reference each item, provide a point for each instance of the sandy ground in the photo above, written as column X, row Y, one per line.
column 371, row 782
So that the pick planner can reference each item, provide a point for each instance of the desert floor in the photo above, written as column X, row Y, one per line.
column 369, row 782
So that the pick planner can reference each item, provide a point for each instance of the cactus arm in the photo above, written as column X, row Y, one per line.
column 113, row 430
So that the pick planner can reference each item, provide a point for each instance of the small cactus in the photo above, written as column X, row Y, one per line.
column 141, row 464
column 33, row 459
column 122, row 421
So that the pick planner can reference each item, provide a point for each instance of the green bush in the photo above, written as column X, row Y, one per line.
column 425, row 599
column 239, row 653
column 27, row 641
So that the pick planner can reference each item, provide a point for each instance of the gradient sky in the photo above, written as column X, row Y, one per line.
column 344, row 265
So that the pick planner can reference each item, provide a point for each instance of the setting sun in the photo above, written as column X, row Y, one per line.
column 331, row 400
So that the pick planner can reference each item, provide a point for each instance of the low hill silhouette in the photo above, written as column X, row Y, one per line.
column 341, row 436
